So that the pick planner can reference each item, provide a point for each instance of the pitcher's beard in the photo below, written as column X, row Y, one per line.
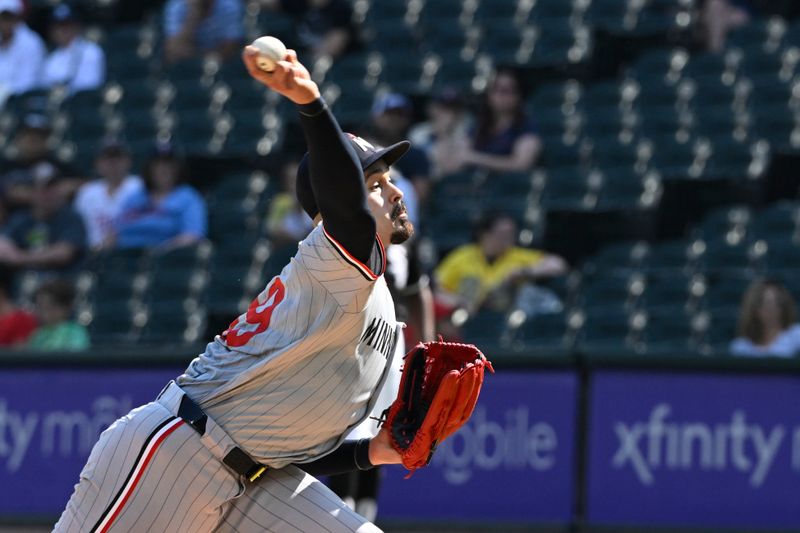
column 403, row 230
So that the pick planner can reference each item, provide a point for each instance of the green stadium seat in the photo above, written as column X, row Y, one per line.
column 112, row 323
column 721, row 221
column 705, row 66
column 672, row 159
column 777, row 220
column 610, row 152
column 542, row 333
column 186, row 70
column 729, row 160
column 621, row 291
column 114, row 286
column 190, row 96
column 565, row 189
column 714, row 120
column 603, row 94
column 670, row 256
column 138, row 93
column 668, row 333
column 172, row 322
column 783, row 255
column 757, row 33
column 668, row 293
column 606, row 123
column 350, row 68
column 617, row 258
column 726, row 292
column 605, row 13
column 549, row 10
column 722, row 257
column 712, row 92
column 664, row 65
column 454, row 71
column 606, row 331
column 281, row 25
column 401, row 72
column 557, row 153
column 485, row 328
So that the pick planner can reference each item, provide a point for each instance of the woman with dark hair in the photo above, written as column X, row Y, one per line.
column 505, row 139
column 767, row 322
column 167, row 212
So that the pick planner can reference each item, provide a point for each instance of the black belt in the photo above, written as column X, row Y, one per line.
column 236, row 459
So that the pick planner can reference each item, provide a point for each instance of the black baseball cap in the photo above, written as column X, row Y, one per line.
column 367, row 154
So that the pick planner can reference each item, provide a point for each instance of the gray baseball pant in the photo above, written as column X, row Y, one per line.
column 150, row 471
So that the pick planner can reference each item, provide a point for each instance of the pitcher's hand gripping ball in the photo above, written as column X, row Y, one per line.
column 438, row 391
column 270, row 51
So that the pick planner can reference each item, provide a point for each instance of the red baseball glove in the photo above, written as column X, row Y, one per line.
column 438, row 391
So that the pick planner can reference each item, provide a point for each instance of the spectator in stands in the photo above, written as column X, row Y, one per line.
column 505, row 139
column 445, row 130
column 323, row 27
column 30, row 149
column 49, row 237
column 767, row 322
column 100, row 201
column 287, row 223
column 390, row 121
column 491, row 270
column 75, row 62
column 57, row 331
column 22, row 51
column 202, row 28
column 720, row 17
column 16, row 325
column 166, row 213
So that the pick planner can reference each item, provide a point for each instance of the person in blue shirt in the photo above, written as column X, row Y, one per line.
column 202, row 28
column 767, row 322
column 505, row 139
column 166, row 213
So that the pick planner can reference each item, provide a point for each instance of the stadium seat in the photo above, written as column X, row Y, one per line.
column 172, row 322
column 722, row 221
column 669, row 334
column 565, row 189
column 659, row 65
column 723, row 257
column 725, row 292
column 485, row 328
column 556, row 152
column 777, row 220
column 542, row 333
column 766, row 34
column 670, row 256
column 669, row 293
column 112, row 323
column 617, row 258
column 607, row 331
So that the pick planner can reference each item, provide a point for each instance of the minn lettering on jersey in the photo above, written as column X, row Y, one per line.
column 380, row 336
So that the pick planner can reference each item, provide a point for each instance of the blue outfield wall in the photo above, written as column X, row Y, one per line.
column 553, row 441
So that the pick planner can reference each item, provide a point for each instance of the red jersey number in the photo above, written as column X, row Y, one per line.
column 258, row 315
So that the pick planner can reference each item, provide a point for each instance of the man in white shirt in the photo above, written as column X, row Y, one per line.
column 99, row 201
column 22, row 51
column 75, row 62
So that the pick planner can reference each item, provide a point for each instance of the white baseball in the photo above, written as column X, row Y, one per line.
column 270, row 51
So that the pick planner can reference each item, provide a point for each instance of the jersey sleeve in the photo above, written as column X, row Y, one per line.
column 342, row 275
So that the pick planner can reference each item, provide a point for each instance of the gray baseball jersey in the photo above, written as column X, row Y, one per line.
column 294, row 373
column 285, row 382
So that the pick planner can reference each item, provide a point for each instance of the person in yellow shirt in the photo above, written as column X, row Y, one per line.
column 489, row 271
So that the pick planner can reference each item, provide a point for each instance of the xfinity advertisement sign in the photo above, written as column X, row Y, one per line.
column 694, row 449
column 49, row 421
